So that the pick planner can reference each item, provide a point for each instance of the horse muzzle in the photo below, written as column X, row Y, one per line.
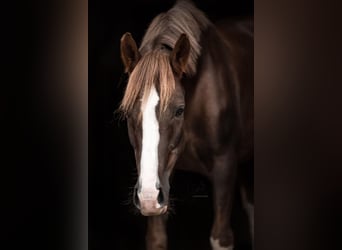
column 150, row 202
column 152, row 208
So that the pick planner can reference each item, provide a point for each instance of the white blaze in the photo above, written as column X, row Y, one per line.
column 150, row 141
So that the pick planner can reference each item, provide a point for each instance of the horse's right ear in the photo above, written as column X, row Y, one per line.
column 129, row 52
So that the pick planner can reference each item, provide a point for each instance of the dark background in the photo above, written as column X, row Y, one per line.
column 113, row 221
column 298, row 136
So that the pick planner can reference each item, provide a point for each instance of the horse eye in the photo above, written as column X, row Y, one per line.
column 179, row 112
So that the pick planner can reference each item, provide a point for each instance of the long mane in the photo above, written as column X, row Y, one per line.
column 166, row 28
column 154, row 67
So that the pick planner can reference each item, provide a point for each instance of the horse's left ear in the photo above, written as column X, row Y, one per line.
column 180, row 55
column 129, row 52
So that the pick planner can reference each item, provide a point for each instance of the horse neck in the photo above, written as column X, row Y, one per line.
column 216, row 65
column 213, row 91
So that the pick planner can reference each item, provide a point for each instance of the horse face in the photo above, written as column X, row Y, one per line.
column 156, row 138
column 155, row 129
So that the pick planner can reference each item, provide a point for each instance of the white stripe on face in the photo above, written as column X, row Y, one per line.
column 150, row 141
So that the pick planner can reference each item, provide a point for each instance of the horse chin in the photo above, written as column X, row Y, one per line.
column 154, row 212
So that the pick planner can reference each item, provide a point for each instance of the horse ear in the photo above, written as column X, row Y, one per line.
column 129, row 52
column 180, row 54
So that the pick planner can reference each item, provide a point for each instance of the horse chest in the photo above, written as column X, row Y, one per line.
column 196, row 157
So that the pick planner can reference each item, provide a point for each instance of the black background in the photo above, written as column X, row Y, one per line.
column 113, row 222
column 297, row 141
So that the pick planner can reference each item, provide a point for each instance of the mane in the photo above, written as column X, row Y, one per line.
column 154, row 67
column 166, row 28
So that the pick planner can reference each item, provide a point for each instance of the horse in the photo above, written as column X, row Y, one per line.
column 188, row 104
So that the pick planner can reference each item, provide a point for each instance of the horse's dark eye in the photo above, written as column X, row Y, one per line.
column 179, row 112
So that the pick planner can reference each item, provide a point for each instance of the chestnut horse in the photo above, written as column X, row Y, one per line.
column 189, row 105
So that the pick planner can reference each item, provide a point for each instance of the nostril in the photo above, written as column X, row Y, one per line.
column 136, row 201
column 160, row 197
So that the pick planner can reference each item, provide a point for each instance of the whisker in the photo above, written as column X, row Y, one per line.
column 132, row 209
